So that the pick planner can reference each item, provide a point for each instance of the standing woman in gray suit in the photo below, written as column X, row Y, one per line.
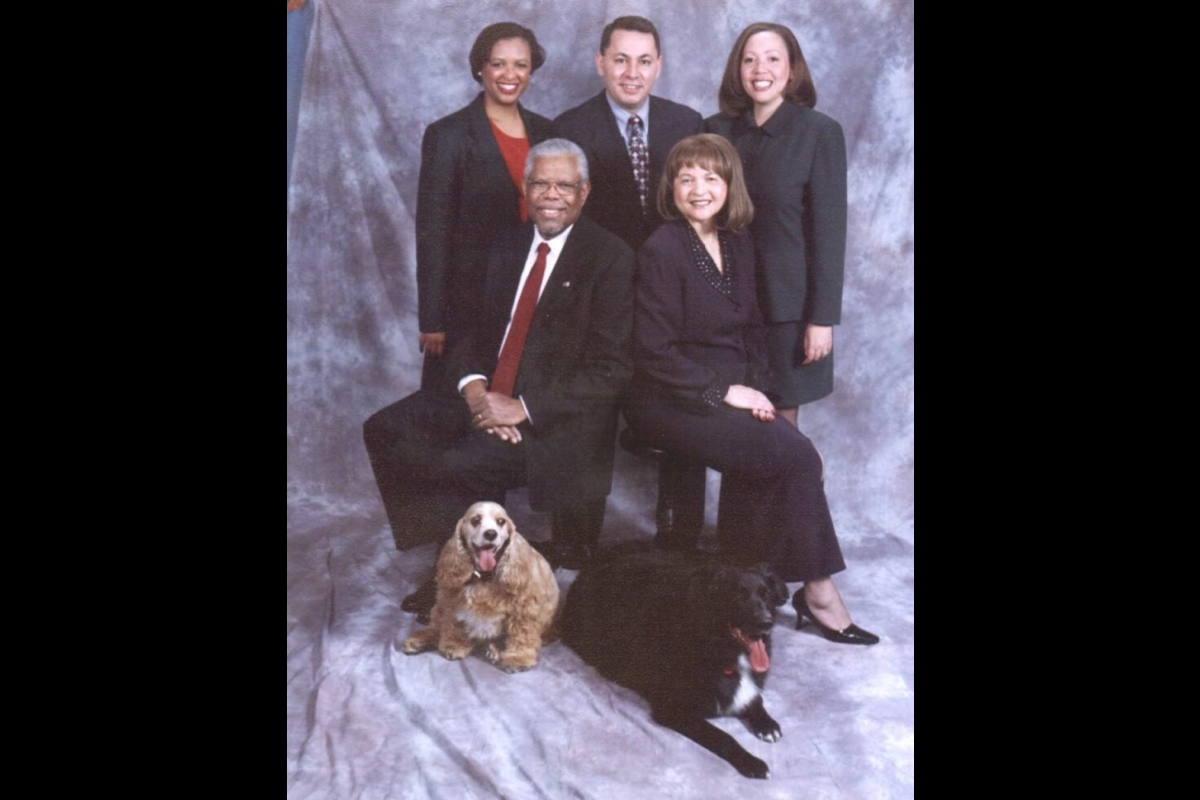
column 795, row 167
column 472, row 185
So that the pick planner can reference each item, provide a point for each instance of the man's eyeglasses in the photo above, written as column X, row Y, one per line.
column 541, row 187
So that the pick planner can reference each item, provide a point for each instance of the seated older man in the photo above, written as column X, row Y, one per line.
column 535, row 383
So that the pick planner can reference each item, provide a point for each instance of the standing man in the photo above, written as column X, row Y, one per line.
column 627, row 134
column 533, row 385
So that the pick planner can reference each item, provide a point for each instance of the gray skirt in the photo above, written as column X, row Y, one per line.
column 796, row 385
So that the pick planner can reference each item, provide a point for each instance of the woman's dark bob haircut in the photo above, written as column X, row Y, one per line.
column 713, row 153
column 481, row 51
column 800, row 89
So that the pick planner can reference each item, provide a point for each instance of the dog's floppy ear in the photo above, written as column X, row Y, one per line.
column 454, row 564
column 778, row 589
column 460, row 532
column 513, row 546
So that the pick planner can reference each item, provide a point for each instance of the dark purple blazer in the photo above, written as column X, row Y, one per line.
column 692, row 340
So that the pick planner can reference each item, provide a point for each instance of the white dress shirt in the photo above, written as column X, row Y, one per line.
column 623, row 120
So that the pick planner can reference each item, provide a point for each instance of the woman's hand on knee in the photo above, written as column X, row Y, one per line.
column 751, row 400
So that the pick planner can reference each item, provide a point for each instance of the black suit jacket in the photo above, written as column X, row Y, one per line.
column 577, row 359
column 465, row 195
column 614, row 200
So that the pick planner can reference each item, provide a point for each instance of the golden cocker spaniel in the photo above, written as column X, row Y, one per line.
column 493, row 589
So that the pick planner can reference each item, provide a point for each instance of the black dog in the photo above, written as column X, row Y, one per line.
column 690, row 635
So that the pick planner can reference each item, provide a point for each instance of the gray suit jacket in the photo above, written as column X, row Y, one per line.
column 796, row 175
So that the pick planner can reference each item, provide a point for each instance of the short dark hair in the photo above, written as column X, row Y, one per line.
column 637, row 24
column 481, row 51
column 713, row 153
column 800, row 89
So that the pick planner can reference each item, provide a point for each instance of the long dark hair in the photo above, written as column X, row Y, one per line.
column 800, row 89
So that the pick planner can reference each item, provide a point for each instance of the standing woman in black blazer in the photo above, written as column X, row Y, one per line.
column 701, row 382
column 795, row 165
column 472, row 185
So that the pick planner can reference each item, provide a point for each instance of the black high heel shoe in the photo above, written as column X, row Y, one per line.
column 848, row 635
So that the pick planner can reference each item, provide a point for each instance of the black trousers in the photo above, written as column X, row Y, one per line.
column 431, row 465
column 772, row 505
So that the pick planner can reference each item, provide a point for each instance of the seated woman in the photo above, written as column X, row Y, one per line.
column 700, row 385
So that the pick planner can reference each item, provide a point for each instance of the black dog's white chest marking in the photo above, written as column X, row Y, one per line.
column 746, row 692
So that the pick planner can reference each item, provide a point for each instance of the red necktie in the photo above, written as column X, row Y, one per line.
column 505, row 377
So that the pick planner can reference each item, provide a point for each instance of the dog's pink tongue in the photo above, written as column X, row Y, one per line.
column 759, row 660
column 487, row 560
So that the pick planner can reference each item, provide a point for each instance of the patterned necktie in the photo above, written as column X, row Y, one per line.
column 505, row 377
column 641, row 160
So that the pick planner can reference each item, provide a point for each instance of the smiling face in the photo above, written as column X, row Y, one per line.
column 629, row 66
column 507, row 71
column 484, row 532
column 766, row 69
column 699, row 194
column 555, row 194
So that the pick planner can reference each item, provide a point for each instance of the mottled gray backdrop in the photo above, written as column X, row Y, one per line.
column 366, row 722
